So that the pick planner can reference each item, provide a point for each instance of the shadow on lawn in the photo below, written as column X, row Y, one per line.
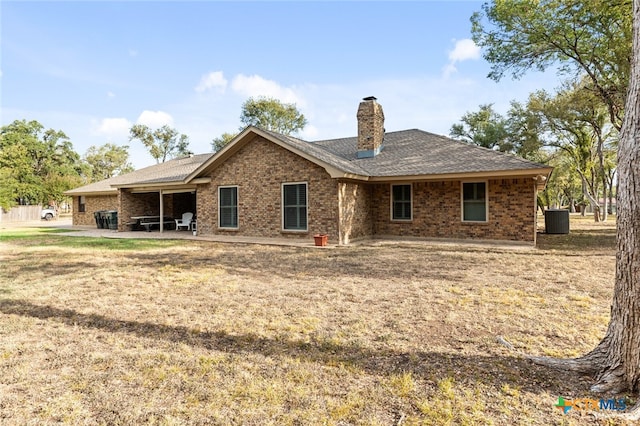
column 495, row 370
column 579, row 240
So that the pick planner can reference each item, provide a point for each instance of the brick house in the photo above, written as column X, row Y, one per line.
column 407, row 183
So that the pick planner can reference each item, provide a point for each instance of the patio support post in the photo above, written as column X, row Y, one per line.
column 161, row 212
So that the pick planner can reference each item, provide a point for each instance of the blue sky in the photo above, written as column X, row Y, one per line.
column 92, row 69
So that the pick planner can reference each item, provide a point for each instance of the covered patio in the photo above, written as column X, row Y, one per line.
column 156, row 207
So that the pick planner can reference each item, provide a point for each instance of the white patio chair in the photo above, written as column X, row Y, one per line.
column 185, row 221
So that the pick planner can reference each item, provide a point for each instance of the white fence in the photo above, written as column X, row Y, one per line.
column 20, row 214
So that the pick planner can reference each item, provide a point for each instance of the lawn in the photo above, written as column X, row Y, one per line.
column 101, row 331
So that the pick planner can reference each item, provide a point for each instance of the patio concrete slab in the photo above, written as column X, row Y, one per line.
column 91, row 231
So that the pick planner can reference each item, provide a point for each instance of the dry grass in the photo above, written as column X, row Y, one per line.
column 174, row 332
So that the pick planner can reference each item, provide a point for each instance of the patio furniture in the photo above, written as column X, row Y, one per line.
column 185, row 221
column 147, row 222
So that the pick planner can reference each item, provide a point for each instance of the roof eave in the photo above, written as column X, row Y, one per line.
column 544, row 172
column 73, row 193
column 148, row 184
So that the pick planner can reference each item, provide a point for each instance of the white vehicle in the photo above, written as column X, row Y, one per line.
column 48, row 213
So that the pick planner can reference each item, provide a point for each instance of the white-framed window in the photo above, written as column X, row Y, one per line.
column 82, row 204
column 294, row 206
column 228, row 207
column 401, row 202
column 475, row 207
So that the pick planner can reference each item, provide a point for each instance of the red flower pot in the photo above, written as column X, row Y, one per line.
column 321, row 239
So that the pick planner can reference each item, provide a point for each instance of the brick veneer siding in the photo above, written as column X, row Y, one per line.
column 141, row 204
column 356, row 220
column 92, row 204
column 259, row 169
column 437, row 211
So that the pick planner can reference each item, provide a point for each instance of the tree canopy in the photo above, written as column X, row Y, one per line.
column 484, row 128
column 107, row 160
column 268, row 114
column 271, row 114
column 221, row 141
column 580, row 37
column 36, row 165
column 163, row 143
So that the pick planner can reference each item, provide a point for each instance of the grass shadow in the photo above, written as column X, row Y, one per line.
column 581, row 240
column 494, row 370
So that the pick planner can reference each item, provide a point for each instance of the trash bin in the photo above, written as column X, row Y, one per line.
column 556, row 221
column 112, row 219
column 96, row 216
column 103, row 220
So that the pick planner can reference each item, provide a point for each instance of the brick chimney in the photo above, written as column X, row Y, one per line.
column 370, row 128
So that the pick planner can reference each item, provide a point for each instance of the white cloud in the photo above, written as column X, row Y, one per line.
column 111, row 95
column 213, row 80
column 155, row 119
column 256, row 86
column 464, row 50
column 113, row 127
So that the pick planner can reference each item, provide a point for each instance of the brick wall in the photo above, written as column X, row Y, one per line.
column 259, row 169
column 92, row 204
column 437, row 211
column 356, row 220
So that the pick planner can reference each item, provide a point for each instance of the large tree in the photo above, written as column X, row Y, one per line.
column 163, row 143
column 108, row 160
column 615, row 361
column 581, row 37
column 485, row 128
column 523, row 133
column 271, row 114
column 565, row 185
column 575, row 122
column 268, row 114
column 36, row 165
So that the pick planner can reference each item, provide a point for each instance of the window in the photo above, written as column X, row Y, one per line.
column 82, row 204
column 401, row 202
column 474, row 201
column 228, row 206
column 294, row 206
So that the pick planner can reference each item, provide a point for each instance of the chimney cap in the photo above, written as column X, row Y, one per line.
column 369, row 98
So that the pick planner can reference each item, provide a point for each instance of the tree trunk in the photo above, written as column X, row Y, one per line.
column 595, row 206
column 621, row 368
column 622, row 340
column 615, row 362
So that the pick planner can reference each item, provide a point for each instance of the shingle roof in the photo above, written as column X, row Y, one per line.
column 416, row 152
column 175, row 170
column 170, row 171
column 103, row 186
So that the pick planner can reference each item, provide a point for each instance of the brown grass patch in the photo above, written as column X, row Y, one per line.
column 206, row 333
